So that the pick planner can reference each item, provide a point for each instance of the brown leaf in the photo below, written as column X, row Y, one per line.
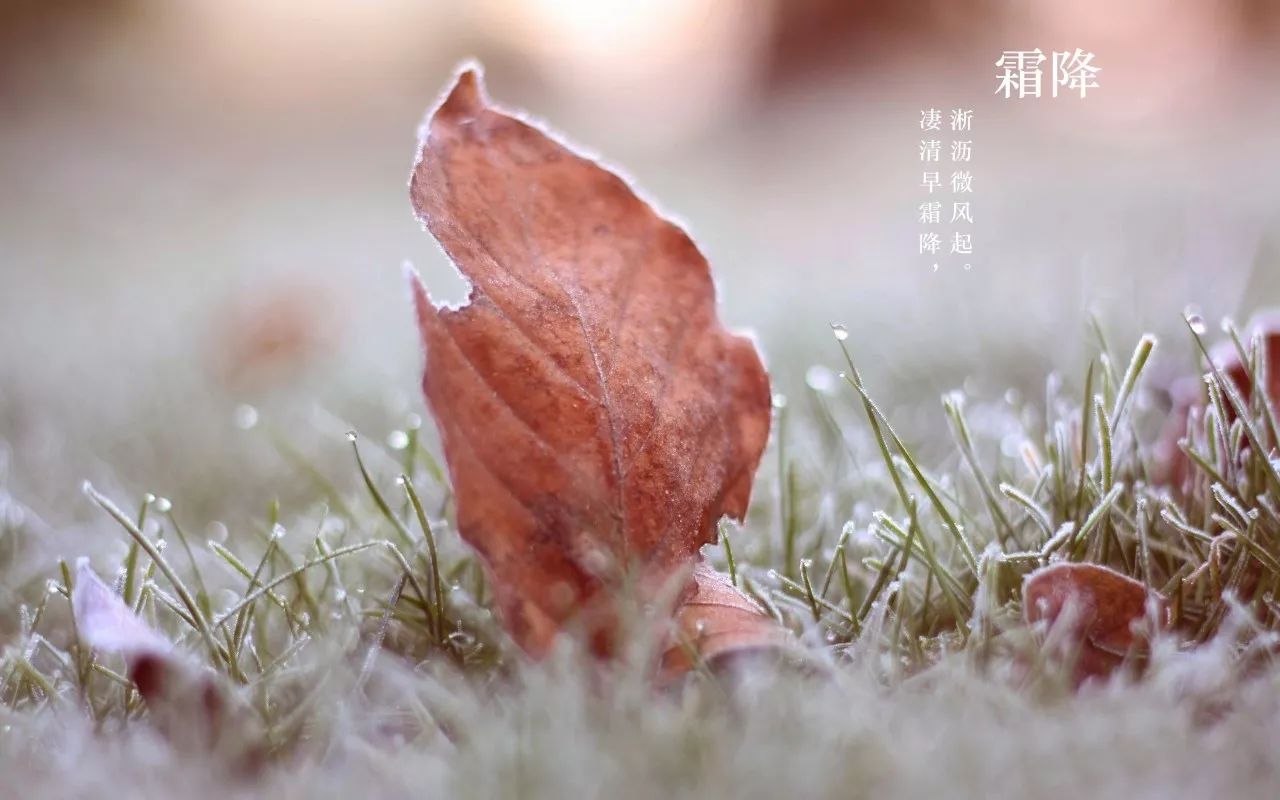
column 595, row 415
column 270, row 333
column 1227, row 357
column 106, row 623
column 1099, row 608
column 186, row 702
column 716, row 622
column 1187, row 394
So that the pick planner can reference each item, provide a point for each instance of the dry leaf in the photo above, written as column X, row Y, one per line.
column 273, row 332
column 1227, row 357
column 106, row 623
column 1095, row 609
column 186, row 703
column 716, row 622
column 1187, row 394
column 596, row 416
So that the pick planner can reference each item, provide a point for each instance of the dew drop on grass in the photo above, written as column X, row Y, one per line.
column 163, row 505
column 779, row 400
column 1011, row 445
column 462, row 639
column 217, row 532
column 148, row 498
column 277, row 531
column 1195, row 320
column 245, row 416
column 352, row 436
column 413, row 422
column 839, row 331
column 820, row 379
column 397, row 440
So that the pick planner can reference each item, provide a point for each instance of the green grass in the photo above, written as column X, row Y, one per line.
column 353, row 640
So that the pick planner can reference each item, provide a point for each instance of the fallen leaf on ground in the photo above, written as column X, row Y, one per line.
column 1187, row 395
column 185, row 701
column 596, row 417
column 274, row 332
column 1095, row 610
column 715, row 623
column 106, row 623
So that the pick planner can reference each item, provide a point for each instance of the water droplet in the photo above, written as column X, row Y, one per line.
column 1195, row 320
column 1011, row 445
column 161, row 544
column 1227, row 324
column 87, row 487
column 163, row 505
column 51, row 586
column 462, row 639
column 352, row 436
column 397, row 440
column 278, row 531
column 245, row 416
column 217, row 532
column 839, row 331
column 779, row 400
column 820, row 379
column 148, row 498
column 402, row 480
column 413, row 422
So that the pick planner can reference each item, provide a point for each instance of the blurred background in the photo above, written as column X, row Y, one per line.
column 204, row 205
